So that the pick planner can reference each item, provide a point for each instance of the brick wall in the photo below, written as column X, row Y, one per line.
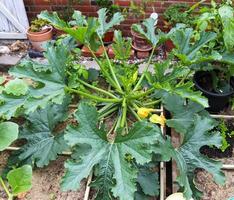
column 88, row 7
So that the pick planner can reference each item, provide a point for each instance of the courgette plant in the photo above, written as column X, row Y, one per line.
column 113, row 129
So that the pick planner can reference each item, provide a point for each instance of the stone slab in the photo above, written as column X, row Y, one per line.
column 9, row 60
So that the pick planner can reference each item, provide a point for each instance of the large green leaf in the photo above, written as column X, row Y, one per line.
column 149, row 34
column 95, row 150
column 8, row 134
column 185, row 91
column 197, row 137
column 44, row 143
column 188, row 51
column 104, row 26
column 85, row 34
column 228, row 57
column 47, row 84
column 78, row 19
column 16, row 87
column 189, row 158
column 20, row 179
column 226, row 14
column 182, row 114
column 148, row 179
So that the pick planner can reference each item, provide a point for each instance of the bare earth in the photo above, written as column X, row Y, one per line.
column 213, row 191
column 46, row 182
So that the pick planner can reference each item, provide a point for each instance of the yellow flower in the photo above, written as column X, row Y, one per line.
column 156, row 119
column 144, row 112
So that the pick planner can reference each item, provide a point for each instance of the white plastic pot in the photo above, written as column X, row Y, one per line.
column 176, row 196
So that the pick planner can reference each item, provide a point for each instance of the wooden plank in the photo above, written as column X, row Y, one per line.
column 163, row 183
column 11, row 9
column 11, row 18
column 21, row 13
column 6, row 35
column 4, row 26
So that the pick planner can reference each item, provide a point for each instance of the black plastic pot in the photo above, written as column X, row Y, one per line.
column 217, row 101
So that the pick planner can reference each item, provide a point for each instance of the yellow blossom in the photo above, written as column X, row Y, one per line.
column 144, row 112
column 158, row 119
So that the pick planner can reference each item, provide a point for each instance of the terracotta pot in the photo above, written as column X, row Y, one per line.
column 140, row 42
column 108, row 37
column 142, row 52
column 169, row 45
column 37, row 39
column 85, row 52
column 58, row 32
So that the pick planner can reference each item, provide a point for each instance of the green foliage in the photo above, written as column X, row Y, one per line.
column 225, row 134
column 178, row 13
column 120, row 154
column 37, row 25
column 104, row 26
column 183, row 114
column 121, row 47
column 16, row 87
column 8, row 134
column 20, row 179
column 190, row 52
column 148, row 180
column 111, row 8
column 226, row 14
column 47, row 84
column 44, row 142
column 165, row 79
column 148, row 32
column 219, row 19
column 189, row 158
column 95, row 149
column 137, row 9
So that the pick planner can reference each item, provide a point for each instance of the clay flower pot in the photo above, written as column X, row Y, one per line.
column 85, row 52
column 140, row 42
column 108, row 37
column 37, row 39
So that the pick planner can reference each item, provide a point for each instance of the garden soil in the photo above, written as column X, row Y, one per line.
column 211, row 190
column 46, row 182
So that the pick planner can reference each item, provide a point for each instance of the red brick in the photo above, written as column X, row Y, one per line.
column 34, row 7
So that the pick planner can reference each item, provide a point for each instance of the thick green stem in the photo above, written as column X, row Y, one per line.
column 184, row 78
column 152, row 102
column 118, row 123
column 111, row 68
column 112, row 82
column 108, row 112
column 146, row 69
column 135, row 106
column 142, row 94
column 10, row 196
column 124, row 113
column 134, row 113
column 97, row 89
column 106, row 107
column 100, row 99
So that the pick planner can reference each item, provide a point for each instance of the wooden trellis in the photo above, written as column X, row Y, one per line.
column 13, row 19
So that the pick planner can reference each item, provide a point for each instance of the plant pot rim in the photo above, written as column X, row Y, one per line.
column 197, row 75
column 49, row 29
column 142, row 50
column 136, row 34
